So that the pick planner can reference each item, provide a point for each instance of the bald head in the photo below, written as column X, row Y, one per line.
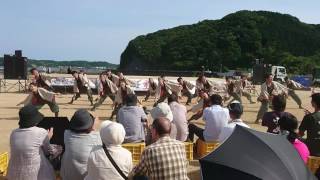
column 162, row 126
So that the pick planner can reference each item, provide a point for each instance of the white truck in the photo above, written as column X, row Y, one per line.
column 260, row 70
column 279, row 73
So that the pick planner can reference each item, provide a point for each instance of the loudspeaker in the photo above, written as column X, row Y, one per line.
column 59, row 125
column 18, row 53
column 15, row 67
column 259, row 72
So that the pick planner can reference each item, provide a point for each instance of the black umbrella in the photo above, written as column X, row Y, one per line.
column 250, row 155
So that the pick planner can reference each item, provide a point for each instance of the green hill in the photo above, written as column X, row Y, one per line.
column 234, row 42
column 74, row 63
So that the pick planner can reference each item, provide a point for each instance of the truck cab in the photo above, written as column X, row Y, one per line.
column 279, row 73
column 260, row 70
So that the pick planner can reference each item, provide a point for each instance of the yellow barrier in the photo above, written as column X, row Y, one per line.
column 4, row 159
column 136, row 150
column 313, row 163
column 204, row 148
column 189, row 150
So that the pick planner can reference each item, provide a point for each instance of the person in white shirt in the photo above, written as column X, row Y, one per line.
column 99, row 165
column 216, row 117
column 235, row 112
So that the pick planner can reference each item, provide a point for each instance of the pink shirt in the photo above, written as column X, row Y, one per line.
column 302, row 150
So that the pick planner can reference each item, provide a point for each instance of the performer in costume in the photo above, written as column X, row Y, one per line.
column 292, row 86
column 152, row 89
column 39, row 97
column 112, row 77
column 210, row 87
column 186, row 89
column 106, row 89
column 243, row 87
column 123, row 78
column 120, row 97
column 268, row 89
column 166, row 88
column 40, row 79
column 81, row 85
column 200, row 106
column 231, row 89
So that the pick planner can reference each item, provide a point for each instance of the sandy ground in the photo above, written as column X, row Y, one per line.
column 9, row 112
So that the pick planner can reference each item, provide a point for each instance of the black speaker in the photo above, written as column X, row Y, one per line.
column 15, row 67
column 59, row 125
column 18, row 53
column 259, row 71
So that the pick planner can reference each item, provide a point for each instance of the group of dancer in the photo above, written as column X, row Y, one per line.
column 117, row 87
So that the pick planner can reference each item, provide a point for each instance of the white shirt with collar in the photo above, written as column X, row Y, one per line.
column 229, row 128
column 216, row 117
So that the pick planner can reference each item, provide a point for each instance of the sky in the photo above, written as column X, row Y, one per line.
column 99, row 30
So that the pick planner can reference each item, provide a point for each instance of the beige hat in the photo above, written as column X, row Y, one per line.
column 112, row 133
column 162, row 110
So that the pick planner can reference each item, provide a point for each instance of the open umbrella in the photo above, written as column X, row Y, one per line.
column 250, row 155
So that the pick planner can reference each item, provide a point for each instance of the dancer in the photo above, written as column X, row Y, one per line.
column 232, row 90
column 106, row 89
column 120, row 97
column 40, row 79
column 152, row 89
column 203, row 84
column 200, row 106
column 186, row 89
column 81, row 85
column 112, row 77
column 243, row 85
column 39, row 97
column 166, row 88
column 292, row 86
column 123, row 78
column 210, row 87
column 268, row 89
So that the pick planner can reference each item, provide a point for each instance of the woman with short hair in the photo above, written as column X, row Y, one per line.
column 79, row 141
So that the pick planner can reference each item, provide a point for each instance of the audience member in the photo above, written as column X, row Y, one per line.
column 311, row 124
column 163, row 110
column 99, row 165
column 270, row 119
column 132, row 117
column 216, row 117
column 179, row 113
column 79, row 141
column 29, row 146
column 288, row 126
column 165, row 158
column 235, row 112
